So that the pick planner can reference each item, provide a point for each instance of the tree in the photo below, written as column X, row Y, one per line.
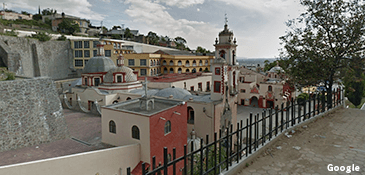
column 153, row 38
column 49, row 11
column 61, row 38
column 41, row 36
column 116, row 36
column 69, row 27
column 269, row 65
column 354, row 82
column 200, row 49
column 323, row 41
column 37, row 17
column 24, row 13
column 180, row 43
column 127, row 33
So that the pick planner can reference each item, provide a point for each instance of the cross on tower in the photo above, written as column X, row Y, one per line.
column 225, row 19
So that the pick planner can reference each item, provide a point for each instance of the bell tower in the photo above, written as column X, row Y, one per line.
column 226, row 46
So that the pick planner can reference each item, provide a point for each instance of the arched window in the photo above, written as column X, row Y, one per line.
column 200, row 63
column 164, row 62
column 187, row 70
column 171, row 63
column 200, row 69
column 222, row 54
column 179, row 70
column 154, row 62
column 191, row 115
column 165, row 70
column 167, row 127
column 194, row 63
column 128, row 98
column 112, row 127
column 179, row 63
column 206, row 62
column 151, row 63
column 270, row 88
column 171, row 70
column 187, row 64
column 234, row 57
column 135, row 132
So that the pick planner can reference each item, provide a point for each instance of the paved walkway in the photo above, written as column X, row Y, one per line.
column 337, row 139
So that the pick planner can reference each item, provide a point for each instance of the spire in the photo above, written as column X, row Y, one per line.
column 39, row 9
column 225, row 22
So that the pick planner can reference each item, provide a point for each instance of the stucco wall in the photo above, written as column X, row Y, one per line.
column 103, row 162
column 30, row 113
column 50, row 58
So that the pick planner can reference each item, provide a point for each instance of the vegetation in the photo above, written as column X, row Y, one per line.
column 153, row 38
column 127, row 33
column 41, row 36
column 68, row 26
column 116, row 36
column 354, row 82
column 62, row 38
column 199, row 49
column 269, row 65
column 49, row 11
column 37, row 17
column 6, row 75
column 210, row 163
column 10, row 33
column 331, row 38
column 25, row 22
column 302, row 98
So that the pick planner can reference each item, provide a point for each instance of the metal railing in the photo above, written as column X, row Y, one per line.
column 231, row 146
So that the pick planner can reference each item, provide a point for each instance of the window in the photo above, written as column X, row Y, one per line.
column 217, row 71
column 78, row 44
column 243, row 90
column 87, row 53
column 222, row 54
column 171, row 70
column 85, row 61
column 208, row 85
column 167, row 127
column 135, row 132
column 187, row 64
column 200, row 85
column 200, row 70
column 242, row 79
column 187, row 70
column 200, row 63
column 97, row 81
column 192, row 88
column 194, row 63
column 86, row 44
column 179, row 63
column 164, row 62
column 165, row 70
column 78, row 53
column 171, row 63
column 142, row 62
column 85, row 80
column 191, row 115
column 95, row 53
column 217, row 86
column 95, row 44
column 112, row 127
column 206, row 62
column 270, row 88
column 119, row 79
column 143, row 72
column 179, row 70
column 108, row 53
column 79, row 63
column 131, row 62
column 184, row 85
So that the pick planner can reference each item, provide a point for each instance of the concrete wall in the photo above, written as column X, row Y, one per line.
column 102, row 162
column 30, row 57
column 30, row 113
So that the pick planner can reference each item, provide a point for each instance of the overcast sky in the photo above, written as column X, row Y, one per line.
column 257, row 24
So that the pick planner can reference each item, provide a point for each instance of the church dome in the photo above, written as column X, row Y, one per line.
column 177, row 93
column 276, row 69
column 99, row 64
column 129, row 75
column 226, row 31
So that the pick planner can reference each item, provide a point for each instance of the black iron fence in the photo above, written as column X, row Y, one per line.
column 232, row 146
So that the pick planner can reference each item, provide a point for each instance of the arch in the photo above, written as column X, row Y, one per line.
column 200, row 63
column 135, row 132
column 200, row 69
column 164, row 62
column 112, row 127
column 179, row 70
column 222, row 54
column 194, row 63
column 254, row 102
column 179, row 63
column 269, row 88
column 187, row 70
column 128, row 98
column 171, row 70
column 171, row 63
column 206, row 62
column 187, row 63
column 165, row 70
column 191, row 115
column 206, row 69
column 115, row 102
column 167, row 127
column 151, row 63
column 154, row 62
column 193, row 71
column 151, row 72
column 233, row 57
column 234, row 80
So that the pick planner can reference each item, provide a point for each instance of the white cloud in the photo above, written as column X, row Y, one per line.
column 157, row 19
column 181, row 3
column 80, row 8
column 263, row 6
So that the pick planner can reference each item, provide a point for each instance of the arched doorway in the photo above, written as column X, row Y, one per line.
column 270, row 104
column 254, row 102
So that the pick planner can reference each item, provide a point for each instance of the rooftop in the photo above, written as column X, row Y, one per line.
column 175, row 52
column 169, row 78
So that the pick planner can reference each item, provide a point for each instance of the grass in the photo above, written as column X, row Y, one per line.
column 353, row 106
column 25, row 22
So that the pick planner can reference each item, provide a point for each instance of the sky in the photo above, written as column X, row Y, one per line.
column 256, row 24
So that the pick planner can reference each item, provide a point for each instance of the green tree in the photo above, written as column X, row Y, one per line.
column 37, row 17
column 322, row 41
column 354, row 82
column 200, row 49
column 62, row 38
column 24, row 13
column 41, row 36
column 269, row 65
column 69, row 27
column 153, row 38
column 116, row 36
column 127, row 33
column 180, row 43
column 49, row 11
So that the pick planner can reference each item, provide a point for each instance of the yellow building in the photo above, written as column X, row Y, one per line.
column 85, row 48
column 167, row 62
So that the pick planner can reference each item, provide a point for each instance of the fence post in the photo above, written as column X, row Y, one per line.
column 263, row 126
column 318, row 102
column 227, row 149
column 246, row 137
column 154, row 162
column 220, row 148
column 292, row 112
column 323, row 101
column 305, row 110
column 270, row 124
column 299, row 112
column 276, row 119
column 309, row 106
column 174, row 163
column 231, row 145
column 255, row 136
column 207, row 153
column 165, row 160
column 282, row 118
column 201, row 155
column 185, row 163
column 237, row 140
column 128, row 171
column 241, row 129
column 287, row 121
column 215, row 152
column 192, row 158
column 250, row 141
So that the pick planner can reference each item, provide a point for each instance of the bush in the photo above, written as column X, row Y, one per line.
column 302, row 98
column 62, row 38
column 10, row 33
column 41, row 36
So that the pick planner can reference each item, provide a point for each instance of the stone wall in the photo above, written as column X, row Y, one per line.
column 32, row 58
column 30, row 113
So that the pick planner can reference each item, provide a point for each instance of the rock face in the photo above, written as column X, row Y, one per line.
column 30, row 113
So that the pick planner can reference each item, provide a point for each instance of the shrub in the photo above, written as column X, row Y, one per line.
column 62, row 38
column 41, row 36
column 10, row 33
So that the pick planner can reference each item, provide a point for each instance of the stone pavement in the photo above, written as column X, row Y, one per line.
column 338, row 138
